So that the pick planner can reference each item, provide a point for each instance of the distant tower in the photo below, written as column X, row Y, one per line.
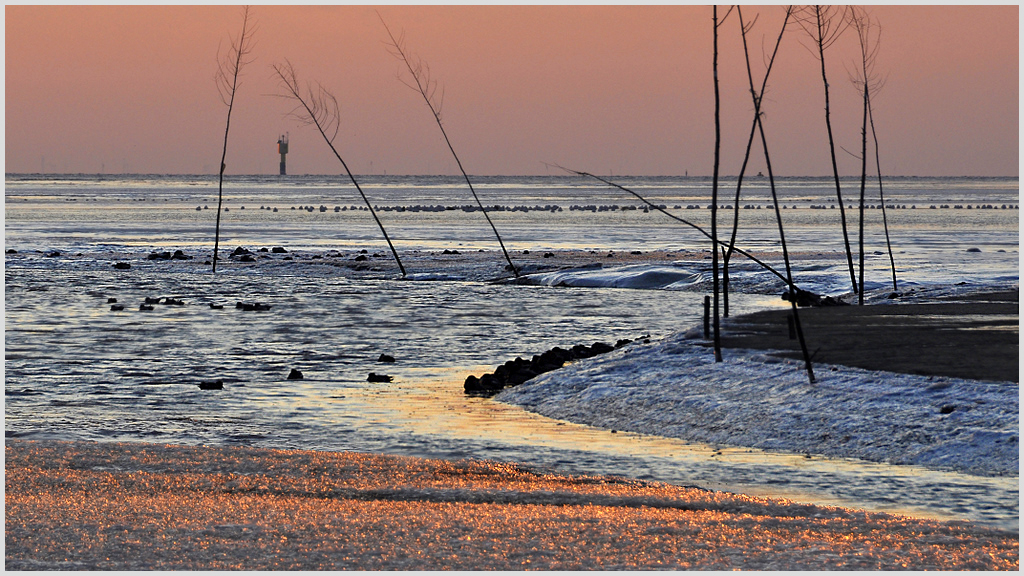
column 282, row 148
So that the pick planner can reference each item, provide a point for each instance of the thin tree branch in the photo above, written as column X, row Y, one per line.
column 318, row 107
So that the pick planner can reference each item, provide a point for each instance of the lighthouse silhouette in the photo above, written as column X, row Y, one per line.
column 282, row 149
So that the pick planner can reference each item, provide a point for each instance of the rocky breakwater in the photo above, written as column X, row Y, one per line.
column 515, row 372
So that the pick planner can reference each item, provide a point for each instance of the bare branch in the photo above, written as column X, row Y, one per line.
column 226, row 79
column 318, row 107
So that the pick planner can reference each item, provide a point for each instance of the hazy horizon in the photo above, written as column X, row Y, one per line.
column 612, row 90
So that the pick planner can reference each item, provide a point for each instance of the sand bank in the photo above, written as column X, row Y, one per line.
column 138, row 506
column 975, row 337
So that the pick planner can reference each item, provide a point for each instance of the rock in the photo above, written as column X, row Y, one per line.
column 179, row 255
column 240, row 251
column 216, row 306
column 117, row 307
column 12, row 251
column 279, row 250
column 122, row 266
column 111, row 300
column 173, row 302
column 246, row 258
column 974, row 249
column 214, row 385
column 805, row 298
column 361, row 258
column 295, row 375
column 374, row 377
column 159, row 256
column 145, row 308
column 53, row 254
column 254, row 307
column 947, row 409
column 386, row 358
column 149, row 300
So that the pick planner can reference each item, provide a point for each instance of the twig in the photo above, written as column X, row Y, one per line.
column 226, row 79
column 428, row 88
column 320, row 108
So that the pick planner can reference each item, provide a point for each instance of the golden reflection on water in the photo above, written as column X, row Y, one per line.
column 431, row 401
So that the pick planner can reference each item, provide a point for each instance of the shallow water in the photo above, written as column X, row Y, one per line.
column 76, row 370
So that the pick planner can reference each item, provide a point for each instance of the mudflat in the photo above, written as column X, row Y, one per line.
column 975, row 337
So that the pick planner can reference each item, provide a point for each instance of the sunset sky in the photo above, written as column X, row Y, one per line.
column 610, row 90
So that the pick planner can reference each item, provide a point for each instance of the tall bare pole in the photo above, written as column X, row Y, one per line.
column 824, row 25
column 757, row 95
column 427, row 87
column 759, row 122
column 228, row 70
column 867, row 82
column 318, row 107
column 714, row 194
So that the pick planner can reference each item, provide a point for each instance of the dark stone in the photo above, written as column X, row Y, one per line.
column 240, row 251
column 805, row 298
column 254, row 307
column 111, row 300
column 601, row 348
column 214, row 385
column 246, row 258
column 145, row 307
column 549, row 254
column 374, row 377
column 159, row 256
column 973, row 249
column 173, row 302
column 12, row 251
column 947, row 409
column 447, row 251
column 216, row 306
column 386, row 358
column 117, row 307
column 622, row 342
column 53, row 254
column 295, row 375
column 179, row 255
column 149, row 300
column 279, row 250
column 264, row 249
column 122, row 266
column 361, row 258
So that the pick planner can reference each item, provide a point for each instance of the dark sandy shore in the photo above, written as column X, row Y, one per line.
column 975, row 337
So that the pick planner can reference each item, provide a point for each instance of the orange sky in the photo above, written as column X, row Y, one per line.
column 611, row 90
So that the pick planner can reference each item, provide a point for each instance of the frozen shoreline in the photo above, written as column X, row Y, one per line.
column 674, row 388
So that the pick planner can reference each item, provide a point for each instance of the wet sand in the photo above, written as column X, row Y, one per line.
column 139, row 506
column 975, row 337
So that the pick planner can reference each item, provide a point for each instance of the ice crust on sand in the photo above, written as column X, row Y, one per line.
column 753, row 399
